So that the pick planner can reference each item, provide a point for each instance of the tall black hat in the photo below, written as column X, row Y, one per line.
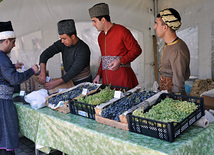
column 6, row 30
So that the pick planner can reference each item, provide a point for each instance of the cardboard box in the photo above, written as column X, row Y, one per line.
column 32, row 84
column 65, row 108
column 67, row 85
column 208, row 102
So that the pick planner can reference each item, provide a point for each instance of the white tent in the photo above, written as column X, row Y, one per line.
column 35, row 25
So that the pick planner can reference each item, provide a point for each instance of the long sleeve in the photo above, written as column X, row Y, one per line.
column 9, row 75
column 118, row 43
column 179, row 65
column 50, row 52
column 175, row 64
column 132, row 46
column 75, row 59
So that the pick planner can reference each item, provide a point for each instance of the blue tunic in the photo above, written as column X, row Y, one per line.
column 9, row 129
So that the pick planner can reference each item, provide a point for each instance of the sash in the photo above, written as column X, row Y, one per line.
column 106, row 60
column 166, row 84
column 6, row 92
column 82, row 75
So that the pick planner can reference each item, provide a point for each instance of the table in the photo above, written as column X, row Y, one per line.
column 74, row 134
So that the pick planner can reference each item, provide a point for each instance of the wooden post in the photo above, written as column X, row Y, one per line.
column 155, row 57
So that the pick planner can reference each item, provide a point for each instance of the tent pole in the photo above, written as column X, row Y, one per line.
column 155, row 43
column 155, row 57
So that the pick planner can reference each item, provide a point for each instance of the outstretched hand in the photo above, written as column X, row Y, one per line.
column 52, row 84
column 42, row 77
column 19, row 65
column 35, row 68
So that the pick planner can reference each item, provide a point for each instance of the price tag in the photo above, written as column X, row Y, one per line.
column 61, row 89
column 82, row 113
column 85, row 91
column 22, row 93
column 118, row 94
column 23, row 68
column 48, row 79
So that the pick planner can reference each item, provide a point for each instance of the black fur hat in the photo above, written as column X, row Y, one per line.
column 66, row 26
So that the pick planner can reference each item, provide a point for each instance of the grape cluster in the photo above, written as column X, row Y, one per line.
column 168, row 110
column 118, row 107
column 103, row 96
column 71, row 94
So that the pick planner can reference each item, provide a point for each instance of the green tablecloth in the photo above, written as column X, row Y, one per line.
column 74, row 134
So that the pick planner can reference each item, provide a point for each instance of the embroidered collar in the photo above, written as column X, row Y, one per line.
column 174, row 42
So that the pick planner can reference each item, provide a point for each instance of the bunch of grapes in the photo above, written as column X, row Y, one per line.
column 168, row 110
column 71, row 94
column 103, row 96
column 118, row 107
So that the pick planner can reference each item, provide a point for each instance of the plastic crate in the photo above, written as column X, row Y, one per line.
column 115, row 87
column 162, row 130
column 82, row 109
column 87, row 110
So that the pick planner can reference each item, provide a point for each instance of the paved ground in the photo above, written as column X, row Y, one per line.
column 27, row 147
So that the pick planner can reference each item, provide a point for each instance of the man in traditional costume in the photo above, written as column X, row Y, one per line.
column 118, row 49
column 174, row 68
column 9, row 77
column 75, row 56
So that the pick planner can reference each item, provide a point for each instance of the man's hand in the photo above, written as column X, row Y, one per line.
column 52, row 84
column 114, row 65
column 19, row 65
column 42, row 75
column 97, row 79
column 35, row 68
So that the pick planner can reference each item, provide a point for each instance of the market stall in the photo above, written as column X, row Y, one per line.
column 74, row 134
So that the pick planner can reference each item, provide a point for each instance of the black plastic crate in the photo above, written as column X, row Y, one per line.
column 162, row 130
column 87, row 110
column 82, row 109
column 114, row 87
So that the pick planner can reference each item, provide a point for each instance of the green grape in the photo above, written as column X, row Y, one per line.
column 168, row 110
column 101, row 97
